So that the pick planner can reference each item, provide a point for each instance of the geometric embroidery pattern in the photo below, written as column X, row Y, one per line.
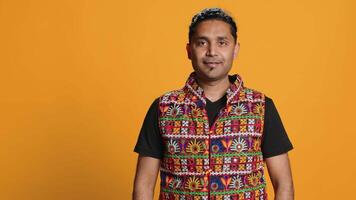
column 223, row 161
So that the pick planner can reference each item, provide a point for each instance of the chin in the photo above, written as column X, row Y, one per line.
column 213, row 76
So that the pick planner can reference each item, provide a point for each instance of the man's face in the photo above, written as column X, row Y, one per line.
column 212, row 50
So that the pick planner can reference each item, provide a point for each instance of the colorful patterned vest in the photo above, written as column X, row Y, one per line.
column 223, row 161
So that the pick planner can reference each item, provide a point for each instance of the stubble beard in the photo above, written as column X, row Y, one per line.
column 208, row 74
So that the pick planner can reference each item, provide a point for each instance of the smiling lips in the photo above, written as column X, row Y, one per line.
column 212, row 63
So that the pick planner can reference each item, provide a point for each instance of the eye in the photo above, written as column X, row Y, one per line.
column 222, row 43
column 201, row 43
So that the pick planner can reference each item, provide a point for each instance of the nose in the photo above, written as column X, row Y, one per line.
column 211, row 51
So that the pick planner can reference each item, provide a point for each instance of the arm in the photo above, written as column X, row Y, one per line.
column 145, row 178
column 281, row 176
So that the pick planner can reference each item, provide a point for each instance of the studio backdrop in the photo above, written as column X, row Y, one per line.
column 77, row 78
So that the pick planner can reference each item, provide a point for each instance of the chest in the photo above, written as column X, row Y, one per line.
column 237, row 127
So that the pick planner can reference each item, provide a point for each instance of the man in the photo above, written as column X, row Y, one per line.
column 211, row 138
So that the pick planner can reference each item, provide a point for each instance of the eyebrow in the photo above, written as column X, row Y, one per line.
column 205, row 38
column 201, row 38
column 222, row 38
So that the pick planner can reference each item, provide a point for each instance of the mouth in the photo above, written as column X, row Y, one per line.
column 212, row 63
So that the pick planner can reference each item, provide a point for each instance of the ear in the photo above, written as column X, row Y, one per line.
column 236, row 49
column 188, row 51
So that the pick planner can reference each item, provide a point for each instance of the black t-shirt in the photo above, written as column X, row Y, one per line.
column 275, row 140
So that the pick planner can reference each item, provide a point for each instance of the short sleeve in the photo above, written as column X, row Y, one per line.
column 275, row 140
column 149, row 142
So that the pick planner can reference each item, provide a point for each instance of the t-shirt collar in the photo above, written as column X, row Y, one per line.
column 236, row 85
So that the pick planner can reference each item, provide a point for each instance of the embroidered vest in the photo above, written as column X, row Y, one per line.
column 223, row 161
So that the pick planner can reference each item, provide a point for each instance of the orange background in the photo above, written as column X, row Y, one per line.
column 77, row 78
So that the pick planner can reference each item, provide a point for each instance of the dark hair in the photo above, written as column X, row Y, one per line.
column 212, row 13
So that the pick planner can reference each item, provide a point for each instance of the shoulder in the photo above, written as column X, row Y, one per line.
column 173, row 95
column 175, row 92
column 268, row 99
column 270, row 107
column 254, row 94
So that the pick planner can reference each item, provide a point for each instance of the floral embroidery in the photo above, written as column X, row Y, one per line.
column 239, row 109
column 236, row 183
column 193, row 184
column 173, row 147
column 224, row 161
column 194, row 147
column 174, row 110
column 258, row 109
column 239, row 145
column 254, row 179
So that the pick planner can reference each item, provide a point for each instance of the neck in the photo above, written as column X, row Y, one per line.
column 216, row 89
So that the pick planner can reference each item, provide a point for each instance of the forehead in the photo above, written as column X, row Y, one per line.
column 212, row 29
